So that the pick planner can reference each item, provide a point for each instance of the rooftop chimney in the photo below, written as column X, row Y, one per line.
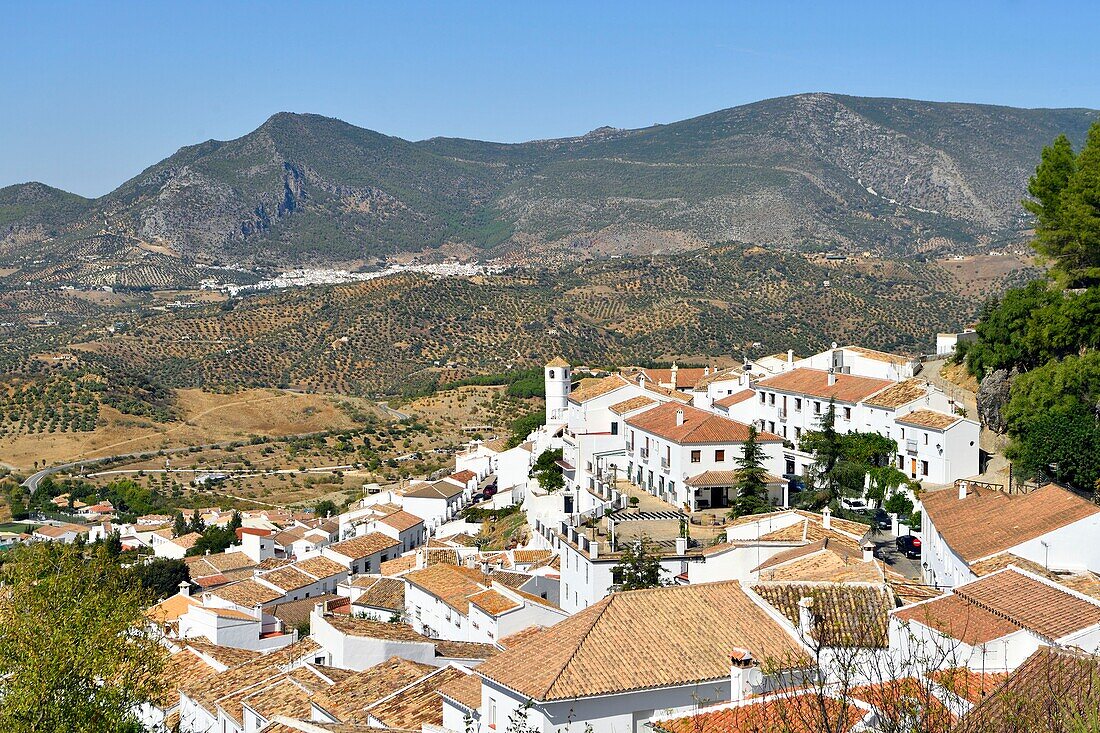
column 743, row 673
column 806, row 617
column 790, row 359
column 594, row 549
column 420, row 560
column 706, row 371
column 681, row 545
column 680, row 417
column 185, row 589
column 672, row 374
column 868, row 551
column 832, row 377
column 962, row 490
column 827, row 518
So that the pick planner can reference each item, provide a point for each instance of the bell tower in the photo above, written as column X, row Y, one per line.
column 557, row 377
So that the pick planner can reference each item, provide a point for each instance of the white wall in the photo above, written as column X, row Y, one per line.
column 359, row 653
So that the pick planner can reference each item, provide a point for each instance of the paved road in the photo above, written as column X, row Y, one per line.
column 395, row 414
column 886, row 549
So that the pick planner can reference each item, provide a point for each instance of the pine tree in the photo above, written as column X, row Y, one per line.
column 1065, row 199
column 752, row 484
column 179, row 525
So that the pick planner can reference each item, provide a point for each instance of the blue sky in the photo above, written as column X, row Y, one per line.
column 93, row 92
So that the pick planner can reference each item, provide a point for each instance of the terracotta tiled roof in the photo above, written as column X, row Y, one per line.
column 438, row 490
column 844, row 615
column 968, row 684
column 493, row 602
column 831, row 565
column 558, row 362
column 450, row 583
column 815, row 383
column 367, row 629
column 185, row 667
column 417, row 705
column 519, row 637
column 698, row 426
column 634, row 403
column 590, row 389
column 966, row 526
column 387, row 593
column 724, row 478
column 1054, row 690
column 464, row 476
column 906, row 704
column 878, row 355
column 347, row 699
column 509, row 578
column 685, row 376
column 642, row 639
column 953, row 616
column 320, row 567
column 899, row 394
column 398, row 565
column 401, row 520
column 465, row 690
column 288, row 578
column 187, row 541
column 220, row 561
column 794, row 712
column 171, row 608
column 929, row 419
column 225, row 655
column 247, row 593
column 468, row 650
column 363, row 546
column 1004, row 602
column 1031, row 603
column 735, row 398
column 526, row 557
column 295, row 613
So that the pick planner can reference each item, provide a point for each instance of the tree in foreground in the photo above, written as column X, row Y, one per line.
column 75, row 655
column 638, row 568
column 751, row 487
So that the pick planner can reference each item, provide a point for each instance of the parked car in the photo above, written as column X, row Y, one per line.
column 794, row 482
column 859, row 506
column 490, row 491
column 883, row 521
column 909, row 545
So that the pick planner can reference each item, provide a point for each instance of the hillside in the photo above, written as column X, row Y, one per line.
column 814, row 171
column 404, row 333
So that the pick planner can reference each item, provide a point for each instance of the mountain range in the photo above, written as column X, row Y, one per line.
column 812, row 172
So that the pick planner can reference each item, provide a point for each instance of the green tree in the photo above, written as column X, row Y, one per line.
column 751, row 486
column 74, row 653
column 112, row 545
column 638, row 567
column 325, row 508
column 179, row 525
column 196, row 524
column 162, row 576
column 1053, row 422
column 1065, row 199
column 549, row 473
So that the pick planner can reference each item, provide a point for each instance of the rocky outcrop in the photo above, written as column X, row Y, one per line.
column 993, row 395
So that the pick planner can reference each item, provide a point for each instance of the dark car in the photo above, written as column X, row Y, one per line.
column 909, row 545
column 883, row 521
column 490, row 491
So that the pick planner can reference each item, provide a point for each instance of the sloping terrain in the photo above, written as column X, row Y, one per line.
column 812, row 172
column 404, row 333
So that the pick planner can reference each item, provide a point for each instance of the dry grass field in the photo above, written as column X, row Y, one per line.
column 206, row 418
column 985, row 275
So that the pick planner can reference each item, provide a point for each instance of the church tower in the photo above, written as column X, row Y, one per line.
column 557, row 377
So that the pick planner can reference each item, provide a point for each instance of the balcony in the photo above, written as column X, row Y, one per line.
column 782, row 414
column 664, row 464
column 911, row 446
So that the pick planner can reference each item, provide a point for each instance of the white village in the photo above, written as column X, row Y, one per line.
column 646, row 597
